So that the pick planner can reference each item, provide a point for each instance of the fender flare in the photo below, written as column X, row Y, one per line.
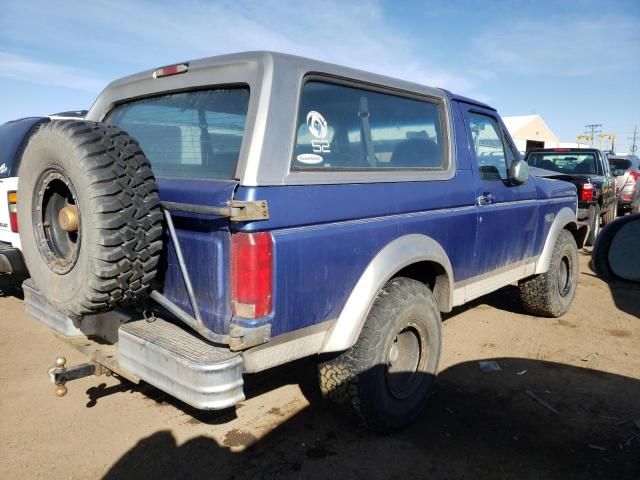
column 396, row 255
column 564, row 217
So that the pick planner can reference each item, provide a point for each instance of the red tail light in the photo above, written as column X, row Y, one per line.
column 586, row 192
column 633, row 177
column 12, row 200
column 170, row 70
column 251, row 274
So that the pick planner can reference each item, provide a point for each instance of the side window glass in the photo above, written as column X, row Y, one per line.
column 487, row 142
column 346, row 128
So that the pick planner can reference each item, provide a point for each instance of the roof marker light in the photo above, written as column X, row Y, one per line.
column 171, row 70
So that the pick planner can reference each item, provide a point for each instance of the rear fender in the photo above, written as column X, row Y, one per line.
column 399, row 253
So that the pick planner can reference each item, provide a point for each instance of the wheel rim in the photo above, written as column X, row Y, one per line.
column 565, row 271
column 57, row 223
column 406, row 357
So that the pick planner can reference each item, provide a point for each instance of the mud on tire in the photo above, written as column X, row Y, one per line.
column 105, row 251
column 550, row 294
column 384, row 391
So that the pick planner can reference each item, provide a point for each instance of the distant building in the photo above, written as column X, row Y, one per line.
column 531, row 131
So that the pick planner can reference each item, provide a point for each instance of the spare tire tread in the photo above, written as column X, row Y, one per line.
column 125, row 215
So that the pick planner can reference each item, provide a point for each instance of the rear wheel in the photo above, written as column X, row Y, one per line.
column 550, row 294
column 385, row 377
column 89, row 214
column 594, row 226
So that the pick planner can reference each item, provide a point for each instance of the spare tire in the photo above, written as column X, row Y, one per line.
column 89, row 216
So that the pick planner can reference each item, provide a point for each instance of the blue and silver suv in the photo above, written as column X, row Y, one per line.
column 230, row 214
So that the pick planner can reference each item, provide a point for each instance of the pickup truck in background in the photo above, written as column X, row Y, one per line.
column 588, row 169
column 223, row 216
column 13, row 136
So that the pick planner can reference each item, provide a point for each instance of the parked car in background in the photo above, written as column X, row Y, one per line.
column 588, row 169
column 12, row 141
column 626, row 170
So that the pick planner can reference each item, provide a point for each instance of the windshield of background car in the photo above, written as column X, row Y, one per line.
column 191, row 134
column 569, row 163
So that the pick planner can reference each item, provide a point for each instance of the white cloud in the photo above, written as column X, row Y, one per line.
column 145, row 34
column 44, row 73
column 559, row 46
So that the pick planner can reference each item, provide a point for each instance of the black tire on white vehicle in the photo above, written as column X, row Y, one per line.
column 89, row 216
column 385, row 377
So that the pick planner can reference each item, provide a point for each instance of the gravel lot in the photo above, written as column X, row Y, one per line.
column 563, row 406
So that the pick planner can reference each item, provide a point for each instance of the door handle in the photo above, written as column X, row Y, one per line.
column 485, row 199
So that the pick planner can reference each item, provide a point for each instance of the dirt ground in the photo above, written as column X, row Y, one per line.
column 564, row 405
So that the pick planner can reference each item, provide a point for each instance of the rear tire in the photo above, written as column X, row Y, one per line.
column 106, row 252
column 385, row 377
column 594, row 226
column 550, row 294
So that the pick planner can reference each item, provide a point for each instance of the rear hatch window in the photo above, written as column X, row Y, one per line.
column 568, row 163
column 188, row 135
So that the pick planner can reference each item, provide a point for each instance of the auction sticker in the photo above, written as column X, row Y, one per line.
column 309, row 158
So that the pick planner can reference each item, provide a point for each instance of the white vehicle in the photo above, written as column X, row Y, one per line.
column 11, row 261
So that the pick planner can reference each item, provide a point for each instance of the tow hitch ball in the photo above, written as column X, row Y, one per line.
column 60, row 375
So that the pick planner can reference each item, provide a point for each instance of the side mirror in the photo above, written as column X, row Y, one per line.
column 518, row 172
column 618, row 172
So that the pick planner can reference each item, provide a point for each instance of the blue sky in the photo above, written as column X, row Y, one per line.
column 573, row 63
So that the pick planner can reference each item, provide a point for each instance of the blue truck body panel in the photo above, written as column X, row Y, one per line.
column 205, row 243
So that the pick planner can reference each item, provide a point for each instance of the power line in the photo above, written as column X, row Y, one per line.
column 593, row 127
column 634, row 147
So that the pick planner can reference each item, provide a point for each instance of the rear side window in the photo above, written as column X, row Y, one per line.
column 347, row 128
column 192, row 134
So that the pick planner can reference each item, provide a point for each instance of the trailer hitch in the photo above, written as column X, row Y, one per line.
column 60, row 375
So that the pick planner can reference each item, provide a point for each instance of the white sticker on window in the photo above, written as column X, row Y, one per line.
column 316, row 124
column 309, row 158
column 3, row 168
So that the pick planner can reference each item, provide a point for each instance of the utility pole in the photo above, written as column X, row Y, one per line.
column 634, row 147
column 593, row 127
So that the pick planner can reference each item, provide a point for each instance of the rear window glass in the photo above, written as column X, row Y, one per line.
column 192, row 134
column 569, row 163
column 341, row 127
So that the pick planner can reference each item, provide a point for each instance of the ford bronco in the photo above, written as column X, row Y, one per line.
column 222, row 216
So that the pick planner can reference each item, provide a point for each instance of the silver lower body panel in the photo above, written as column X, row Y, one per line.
column 166, row 356
column 179, row 362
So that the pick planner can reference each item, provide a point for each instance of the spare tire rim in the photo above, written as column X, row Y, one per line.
column 57, row 223
column 406, row 358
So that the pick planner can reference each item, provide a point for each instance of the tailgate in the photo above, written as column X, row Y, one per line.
column 205, row 241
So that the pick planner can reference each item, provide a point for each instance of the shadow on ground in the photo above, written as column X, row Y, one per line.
column 531, row 420
column 10, row 286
